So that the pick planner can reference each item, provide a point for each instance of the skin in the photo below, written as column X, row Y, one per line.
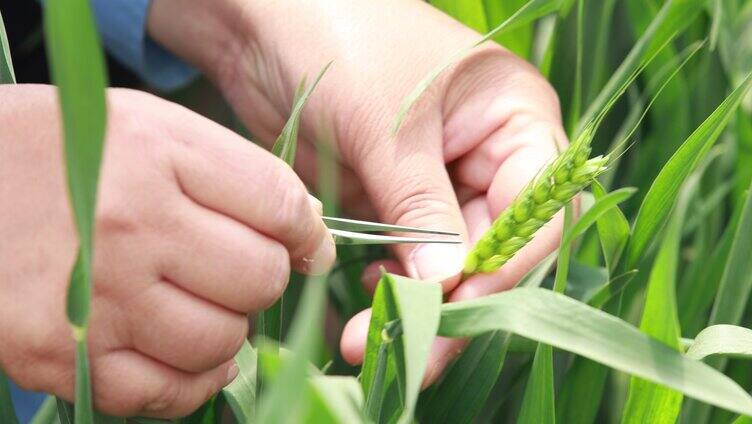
column 184, row 250
column 200, row 245
column 472, row 142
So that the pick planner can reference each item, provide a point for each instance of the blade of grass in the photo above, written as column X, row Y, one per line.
column 585, row 379
column 269, row 322
column 241, row 393
column 599, row 56
column 470, row 12
column 519, row 41
column 336, row 400
column 414, row 308
column 323, row 399
column 77, row 68
column 576, row 106
column 531, row 11
column 305, row 337
column 659, row 199
column 459, row 396
column 286, row 144
column 47, row 412
column 733, row 292
column 722, row 339
column 65, row 412
column 647, row 401
column 538, row 403
column 613, row 231
column 671, row 20
column 7, row 412
column 7, row 75
column 570, row 325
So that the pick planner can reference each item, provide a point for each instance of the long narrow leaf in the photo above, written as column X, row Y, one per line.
column 77, row 65
column 415, row 306
column 47, row 412
column 538, row 403
column 467, row 383
column 647, row 401
column 7, row 412
column 665, row 188
column 241, row 393
column 722, row 339
column 673, row 18
column 305, row 335
column 7, row 75
column 562, row 322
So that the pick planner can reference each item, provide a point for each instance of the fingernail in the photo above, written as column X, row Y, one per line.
column 316, row 203
column 232, row 372
column 323, row 257
column 440, row 261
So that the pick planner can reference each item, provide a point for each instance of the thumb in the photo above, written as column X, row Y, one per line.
column 407, row 181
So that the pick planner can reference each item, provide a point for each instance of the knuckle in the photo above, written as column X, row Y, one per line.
column 413, row 202
column 114, row 217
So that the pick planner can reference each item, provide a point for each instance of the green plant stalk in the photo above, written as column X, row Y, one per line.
column 570, row 173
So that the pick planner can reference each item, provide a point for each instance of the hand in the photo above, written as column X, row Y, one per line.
column 195, row 228
column 473, row 141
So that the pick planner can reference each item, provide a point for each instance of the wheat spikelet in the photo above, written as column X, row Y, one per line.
column 570, row 173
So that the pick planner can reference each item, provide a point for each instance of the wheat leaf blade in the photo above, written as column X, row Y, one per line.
column 557, row 320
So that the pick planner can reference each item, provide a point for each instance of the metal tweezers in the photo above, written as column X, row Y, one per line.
column 350, row 231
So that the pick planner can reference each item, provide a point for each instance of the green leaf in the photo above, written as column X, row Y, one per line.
column 664, row 190
column 335, row 400
column 7, row 412
column 600, row 210
column 269, row 322
column 467, row 382
column 531, row 11
column 470, row 12
column 241, row 393
column 518, row 41
column 208, row 413
column 7, row 75
column 538, row 403
column 736, row 282
column 84, row 407
column 65, row 412
column 581, row 391
column 414, row 307
column 77, row 68
column 287, row 142
column 564, row 323
column 305, row 337
column 613, row 230
column 576, row 106
column 733, row 291
column 647, row 401
column 722, row 339
column 671, row 20
column 47, row 412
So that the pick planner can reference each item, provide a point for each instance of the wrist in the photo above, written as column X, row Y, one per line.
column 209, row 35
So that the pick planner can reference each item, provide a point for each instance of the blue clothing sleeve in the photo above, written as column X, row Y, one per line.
column 122, row 25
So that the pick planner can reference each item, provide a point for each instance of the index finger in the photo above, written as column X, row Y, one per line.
column 222, row 171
